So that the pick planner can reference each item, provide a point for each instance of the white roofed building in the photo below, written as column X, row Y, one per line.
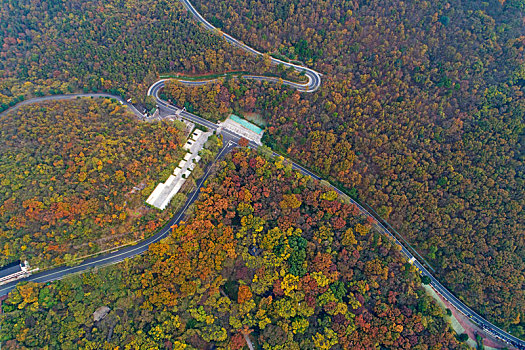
column 164, row 192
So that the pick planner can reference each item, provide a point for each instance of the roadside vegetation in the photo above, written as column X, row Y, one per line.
column 74, row 177
column 268, row 252
column 279, row 71
column 420, row 115
column 91, row 46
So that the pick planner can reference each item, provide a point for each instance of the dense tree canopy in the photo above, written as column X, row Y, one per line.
column 74, row 177
column 421, row 114
column 121, row 47
column 267, row 252
column 117, row 46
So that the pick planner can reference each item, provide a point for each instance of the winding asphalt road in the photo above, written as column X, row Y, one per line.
column 230, row 140
column 483, row 323
column 124, row 253
column 314, row 78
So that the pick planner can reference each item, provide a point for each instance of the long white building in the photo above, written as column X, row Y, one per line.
column 164, row 192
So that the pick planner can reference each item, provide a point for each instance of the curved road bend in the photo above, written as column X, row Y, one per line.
column 314, row 78
column 123, row 253
column 230, row 139
column 486, row 325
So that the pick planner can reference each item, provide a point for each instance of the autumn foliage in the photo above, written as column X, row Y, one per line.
column 420, row 115
column 312, row 275
column 74, row 177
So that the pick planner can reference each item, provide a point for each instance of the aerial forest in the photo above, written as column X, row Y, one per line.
column 269, row 256
column 420, row 116
column 74, row 176
column 121, row 47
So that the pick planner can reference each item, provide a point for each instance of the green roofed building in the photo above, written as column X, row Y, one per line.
column 243, row 127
